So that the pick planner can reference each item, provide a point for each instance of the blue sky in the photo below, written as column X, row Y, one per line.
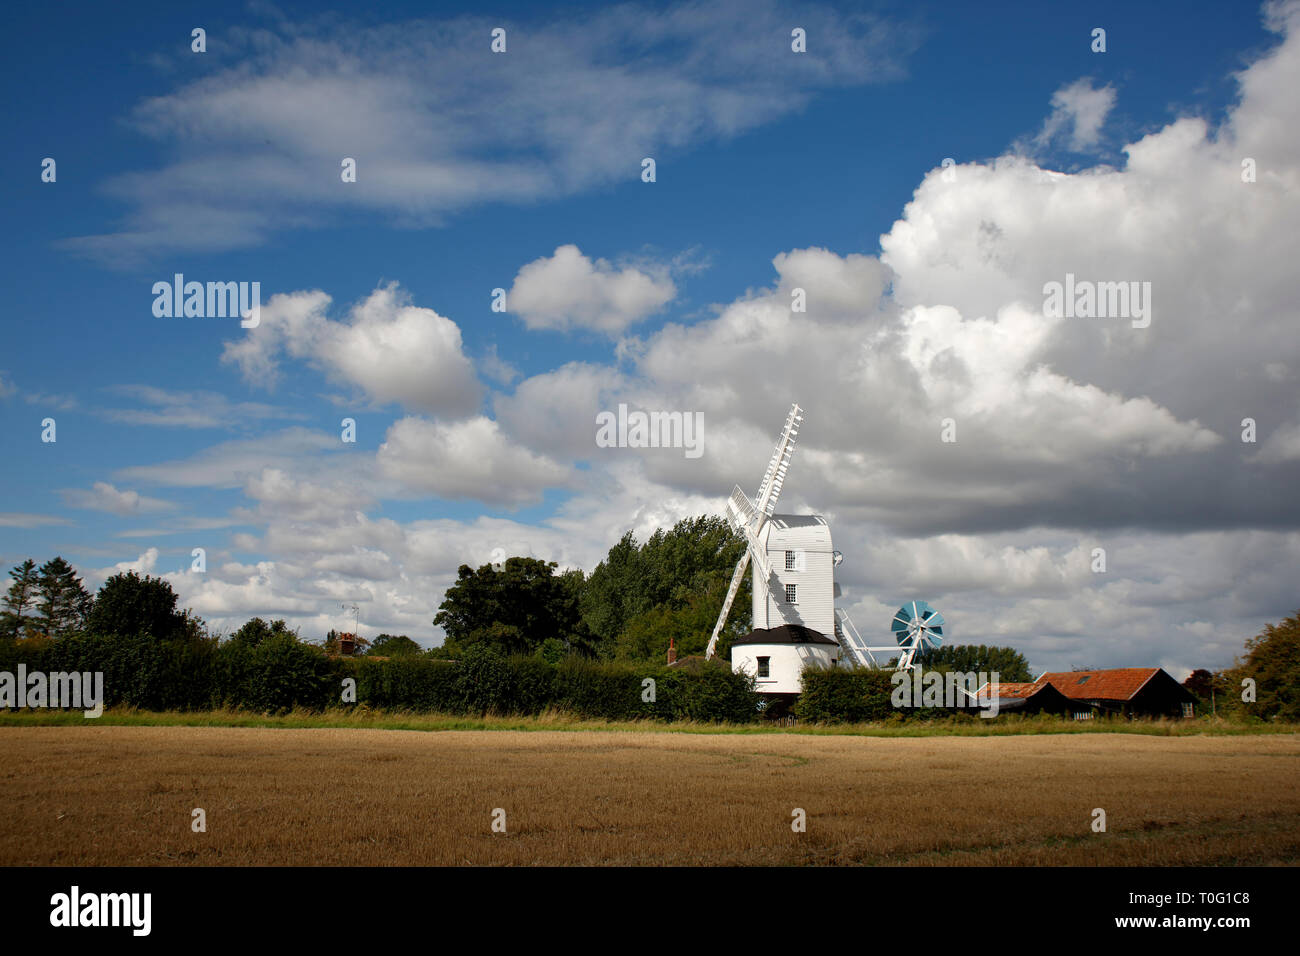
column 224, row 166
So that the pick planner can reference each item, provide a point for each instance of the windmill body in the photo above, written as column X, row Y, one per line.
column 800, row 588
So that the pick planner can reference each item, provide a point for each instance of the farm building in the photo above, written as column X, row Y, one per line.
column 1030, row 697
column 1129, row 691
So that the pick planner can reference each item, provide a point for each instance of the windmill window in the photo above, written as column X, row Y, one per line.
column 789, row 560
column 790, row 594
column 764, row 670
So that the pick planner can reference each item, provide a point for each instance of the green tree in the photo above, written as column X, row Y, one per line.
column 512, row 610
column 1007, row 662
column 15, row 621
column 255, row 632
column 669, row 572
column 394, row 645
column 1273, row 662
column 62, row 602
column 687, row 622
column 130, row 604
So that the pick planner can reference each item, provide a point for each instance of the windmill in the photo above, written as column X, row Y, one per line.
column 749, row 517
column 796, row 623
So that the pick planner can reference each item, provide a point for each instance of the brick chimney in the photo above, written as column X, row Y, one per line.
column 672, row 651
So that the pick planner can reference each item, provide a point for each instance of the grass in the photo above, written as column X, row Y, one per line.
column 364, row 717
column 100, row 794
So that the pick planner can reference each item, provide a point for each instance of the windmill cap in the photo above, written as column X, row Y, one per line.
column 785, row 634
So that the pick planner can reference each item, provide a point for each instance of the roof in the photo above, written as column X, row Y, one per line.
column 1016, row 689
column 806, row 532
column 785, row 634
column 1119, row 684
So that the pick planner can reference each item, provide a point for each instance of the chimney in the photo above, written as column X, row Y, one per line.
column 672, row 651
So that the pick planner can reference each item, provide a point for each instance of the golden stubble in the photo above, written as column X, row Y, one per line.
column 124, row 796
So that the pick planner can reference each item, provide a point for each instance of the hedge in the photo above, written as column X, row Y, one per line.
column 856, row 696
column 282, row 673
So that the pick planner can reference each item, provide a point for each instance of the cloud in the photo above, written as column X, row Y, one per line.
column 394, row 352
column 278, row 494
column 568, row 291
column 232, row 464
column 7, row 387
column 555, row 412
column 17, row 519
column 471, row 459
column 195, row 409
column 102, row 496
column 437, row 123
column 1079, row 110
column 144, row 564
column 497, row 368
column 51, row 402
column 1282, row 446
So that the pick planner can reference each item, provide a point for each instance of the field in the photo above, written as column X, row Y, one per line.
column 108, row 795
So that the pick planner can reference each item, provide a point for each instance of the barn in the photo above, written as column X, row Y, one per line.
column 1030, row 697
column 1126, row 691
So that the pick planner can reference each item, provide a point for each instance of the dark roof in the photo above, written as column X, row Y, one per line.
column 785, row 634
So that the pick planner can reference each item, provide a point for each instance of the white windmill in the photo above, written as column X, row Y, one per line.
column 795, row 619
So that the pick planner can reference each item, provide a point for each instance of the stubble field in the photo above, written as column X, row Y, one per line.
column 126, row 795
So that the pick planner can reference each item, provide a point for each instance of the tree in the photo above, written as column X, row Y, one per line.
column 62, row 602
column 512, row 610
column 1007, row 662
column 256, row 631
column 669, row 572
column 686, row 622
column 394, row 645
column 20, row 598
column 1273, row 662
column 129, row 604
column 1200, row 683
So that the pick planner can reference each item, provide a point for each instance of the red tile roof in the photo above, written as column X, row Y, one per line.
column 1119, row 684
column 1016, row 689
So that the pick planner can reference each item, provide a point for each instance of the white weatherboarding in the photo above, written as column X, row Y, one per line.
column 796, row 622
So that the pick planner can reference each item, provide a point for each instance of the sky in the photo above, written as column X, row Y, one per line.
column 917, row 177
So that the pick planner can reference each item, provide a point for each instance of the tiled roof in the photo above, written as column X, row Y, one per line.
column 1016, row 689
column 1119, row 684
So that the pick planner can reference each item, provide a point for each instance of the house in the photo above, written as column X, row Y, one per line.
column 1127, row 691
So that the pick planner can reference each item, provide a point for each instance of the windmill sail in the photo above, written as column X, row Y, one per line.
column 748, row 517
